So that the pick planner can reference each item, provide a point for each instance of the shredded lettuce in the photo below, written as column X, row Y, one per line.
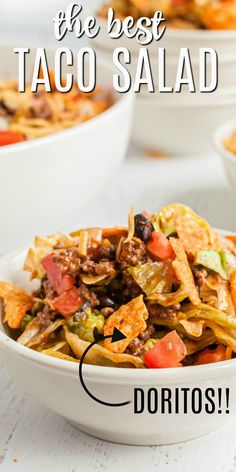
column 210, row 259
column 154, row 277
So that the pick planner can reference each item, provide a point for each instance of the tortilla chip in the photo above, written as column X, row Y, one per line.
column 206, row 340
column 99, row 355
column 95, row 234
column 131, row 226
column 222, row 335
column 183, row 271
column 193, row 328
column 130, row 320
column 42, row 248
column 16, row 303
column 116, row 231
column 192, row 234
column 83, row 243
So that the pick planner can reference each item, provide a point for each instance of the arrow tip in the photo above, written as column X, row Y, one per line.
column 117, row 335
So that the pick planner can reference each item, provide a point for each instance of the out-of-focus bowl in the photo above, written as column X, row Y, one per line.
column 180, row 127
column 226, row 68
column 224, row 42
column 55, row 383
column 228, row 158
column 43, row 182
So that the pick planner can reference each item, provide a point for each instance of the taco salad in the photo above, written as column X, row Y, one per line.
column 167, row 282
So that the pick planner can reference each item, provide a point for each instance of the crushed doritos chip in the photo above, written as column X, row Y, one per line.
column 183, row 271
column 130, row 320
column 16, row 303
column 193, row 235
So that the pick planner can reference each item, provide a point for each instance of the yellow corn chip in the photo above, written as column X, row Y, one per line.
column 192, row 234
column 183, row 271
column 16, row 304
column 130, row 320
column 193, row 328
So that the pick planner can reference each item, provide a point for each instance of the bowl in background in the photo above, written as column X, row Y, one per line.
column 55, row 383
column 228, row 158
column 223, row 41
column 44, row 181
column 179, row 127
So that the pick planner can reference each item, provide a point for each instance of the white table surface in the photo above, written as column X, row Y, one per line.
column 32, row 438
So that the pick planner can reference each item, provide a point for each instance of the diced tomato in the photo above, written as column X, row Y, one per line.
column 10, row 137
column 168, row 352
column 68, row 303
column 208, row 356
column 145, row 213
column 60, row 282
column 159, row 247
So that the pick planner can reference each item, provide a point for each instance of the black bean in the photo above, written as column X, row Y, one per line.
column 143, row 227
column 106, row 301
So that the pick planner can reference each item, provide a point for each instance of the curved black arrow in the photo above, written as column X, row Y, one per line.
column 116, row 336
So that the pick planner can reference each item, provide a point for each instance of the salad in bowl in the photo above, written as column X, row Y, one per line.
column 167, row 281
column 180, row 14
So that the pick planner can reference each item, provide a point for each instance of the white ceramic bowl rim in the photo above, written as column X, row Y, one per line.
column 215, row 99
column 78, row 129
column 120, row 100
column 113, row 374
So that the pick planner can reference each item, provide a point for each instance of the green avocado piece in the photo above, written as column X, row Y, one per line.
column 211, row 259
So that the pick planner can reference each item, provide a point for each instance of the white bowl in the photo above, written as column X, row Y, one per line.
column 44, row 181
column 228, row 158
column 224, row 42
column 55, row 383
column 226, row 69
column 176, row 127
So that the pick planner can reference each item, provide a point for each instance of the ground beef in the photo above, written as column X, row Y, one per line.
column 45, row 316
column 131, row 289
column 136, row 348
column 97, row 268
column 147, row 334
column 107, row 311
column 68, row 261
column 40, row 108
column 169, row 313
column 107, row 251
column 132, row 253
column 200, row 275
column 48, row 290
column 88, row 295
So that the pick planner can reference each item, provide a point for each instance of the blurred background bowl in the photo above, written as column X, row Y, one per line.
column 45, row 181
column 179, row 123
column 224, row 42
column 228, row 158
column 180, row 127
